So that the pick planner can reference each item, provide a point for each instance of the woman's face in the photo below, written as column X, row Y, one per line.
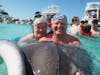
column 40, row 30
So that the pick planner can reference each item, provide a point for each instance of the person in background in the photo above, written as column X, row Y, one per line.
column 94, row 29
column 1, row 20
column 75, row 29
column 49, row 17
column 37, row 15
column 30, row 21
column 6, row 20
column 86, row 22
column 85, row 29
column 59, row 36
column 17, row 21
column 40, row 29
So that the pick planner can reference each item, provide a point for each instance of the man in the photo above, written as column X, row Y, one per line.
column 40, row 29
column 59, row 36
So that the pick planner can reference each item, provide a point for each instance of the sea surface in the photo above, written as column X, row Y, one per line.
column 14, row 32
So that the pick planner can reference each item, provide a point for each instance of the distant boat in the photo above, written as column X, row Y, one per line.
column 3, row 13
column 92, row 11
column 50, row 11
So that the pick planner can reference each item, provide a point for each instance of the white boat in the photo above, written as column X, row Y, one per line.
column 50, row 11
column 92, row 11
column 3, row 13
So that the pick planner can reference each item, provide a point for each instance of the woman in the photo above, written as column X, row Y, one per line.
column 40, row 29
column 75, row 29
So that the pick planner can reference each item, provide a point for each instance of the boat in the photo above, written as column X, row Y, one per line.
column 3, row 13
column 92, row 11
column 50, row 11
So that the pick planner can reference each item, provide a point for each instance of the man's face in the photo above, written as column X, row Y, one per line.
column 59, row 27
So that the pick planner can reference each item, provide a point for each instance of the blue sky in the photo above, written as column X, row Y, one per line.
column 26, row 8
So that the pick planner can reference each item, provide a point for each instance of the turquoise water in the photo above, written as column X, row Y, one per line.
column 91, row 44
column 14, row 32
column 3, row 67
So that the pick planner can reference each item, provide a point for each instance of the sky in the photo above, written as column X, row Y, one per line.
column 25, row 9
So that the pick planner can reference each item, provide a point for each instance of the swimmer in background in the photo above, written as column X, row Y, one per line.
column 94, row 29
column 85, row 29
column 75, row 29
